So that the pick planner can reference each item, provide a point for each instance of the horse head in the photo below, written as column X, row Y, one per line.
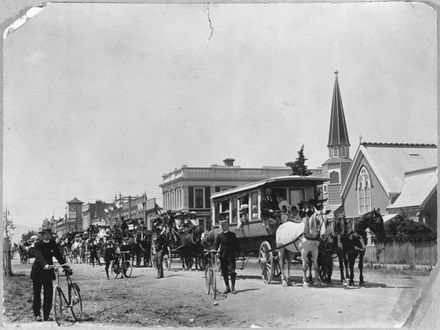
column 374, row 221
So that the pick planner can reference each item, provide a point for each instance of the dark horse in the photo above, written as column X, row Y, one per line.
column 332, row 244
column 354, row 240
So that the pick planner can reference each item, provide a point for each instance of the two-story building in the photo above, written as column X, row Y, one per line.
column 189, row 188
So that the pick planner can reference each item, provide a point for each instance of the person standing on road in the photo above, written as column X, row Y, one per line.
column 160, row 245
column 93, row 249
column 228, row 244
column 109, row 252
column 42, row 274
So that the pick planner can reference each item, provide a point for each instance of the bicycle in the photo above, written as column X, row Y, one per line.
column 73, row 300
column 123, row 267
column 211, row 270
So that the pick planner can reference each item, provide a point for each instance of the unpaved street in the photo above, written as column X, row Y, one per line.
column 180, row 300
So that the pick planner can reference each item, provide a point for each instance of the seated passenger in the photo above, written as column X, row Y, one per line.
column 285, row 213
column 244, row 215
column 294, row 217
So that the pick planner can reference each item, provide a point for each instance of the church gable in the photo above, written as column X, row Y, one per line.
column 363, row 190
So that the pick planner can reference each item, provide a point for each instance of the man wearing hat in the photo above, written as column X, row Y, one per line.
column 160, row 245
column 109, row 252
column 42, row 273
column 228, row 244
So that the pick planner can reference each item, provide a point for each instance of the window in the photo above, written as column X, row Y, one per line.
column 254, row 206
column 343, row 151
column 335, row 152
column 364, row 191
column 296, row 196
column 199, row 198
column 217, row 211
column 234, row 209
column 334, row 177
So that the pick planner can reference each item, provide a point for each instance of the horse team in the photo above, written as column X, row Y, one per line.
column 318, row 238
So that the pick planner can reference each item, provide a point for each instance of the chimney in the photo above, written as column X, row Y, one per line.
column 229, row 161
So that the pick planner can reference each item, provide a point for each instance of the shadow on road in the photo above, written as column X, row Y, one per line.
column 244, row 290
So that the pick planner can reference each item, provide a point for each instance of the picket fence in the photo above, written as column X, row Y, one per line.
column 416, row 253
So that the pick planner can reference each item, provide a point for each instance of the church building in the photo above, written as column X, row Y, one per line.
column 397, row 178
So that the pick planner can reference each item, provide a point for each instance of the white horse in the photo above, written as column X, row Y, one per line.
column 303, row 238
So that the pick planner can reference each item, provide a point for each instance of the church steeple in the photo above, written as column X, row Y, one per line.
column 338, row 143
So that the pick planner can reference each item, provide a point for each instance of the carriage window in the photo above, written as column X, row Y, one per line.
column 280, row 194
column 234, row 209
column 364, row 191
column 216, row 213
column 198, row 197
column 296, row 196
column 254, row 206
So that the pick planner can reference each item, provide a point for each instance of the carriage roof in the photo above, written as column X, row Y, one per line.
column 290, row 180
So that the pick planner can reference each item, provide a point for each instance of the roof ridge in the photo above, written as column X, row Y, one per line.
column 421, row 170
column 397, row 144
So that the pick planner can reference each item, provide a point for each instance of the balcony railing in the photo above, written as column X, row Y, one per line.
column 226, row 172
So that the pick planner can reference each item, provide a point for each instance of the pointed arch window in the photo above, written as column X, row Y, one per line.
column 364, row 191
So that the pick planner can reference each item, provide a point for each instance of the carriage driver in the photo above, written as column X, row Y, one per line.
column 228, row 244
column 42, row 273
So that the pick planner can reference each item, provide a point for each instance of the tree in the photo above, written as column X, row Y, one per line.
column 299, row 166
column 403, row 230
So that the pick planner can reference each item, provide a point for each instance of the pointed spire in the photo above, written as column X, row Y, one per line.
column 338, row 135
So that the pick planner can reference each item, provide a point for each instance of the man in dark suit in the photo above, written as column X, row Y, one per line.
column 42, row 273
column 109, row 252
column 228, row 244
column 268, row 207
column 160, row 245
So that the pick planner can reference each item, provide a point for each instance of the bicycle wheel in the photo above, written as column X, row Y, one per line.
column 207, row 280
column 115, row 269
column 59, row 307
column 128, row 269
column 76, row 302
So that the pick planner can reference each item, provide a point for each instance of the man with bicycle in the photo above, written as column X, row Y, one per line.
column 227, row 244
column 42, row 273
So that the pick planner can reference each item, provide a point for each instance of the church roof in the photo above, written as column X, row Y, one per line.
column 418, row 186
column 338, row 134
column 75, row 201
column 390, row 162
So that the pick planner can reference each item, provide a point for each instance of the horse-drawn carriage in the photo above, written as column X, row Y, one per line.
column 265, row 226
column 256, row 224
column 176, row 228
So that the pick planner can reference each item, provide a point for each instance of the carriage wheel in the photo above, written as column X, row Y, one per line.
column 266, row 261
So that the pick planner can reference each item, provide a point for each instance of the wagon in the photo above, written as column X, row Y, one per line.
column 255, row 237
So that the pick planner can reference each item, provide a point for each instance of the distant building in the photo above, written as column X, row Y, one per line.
column 133, row 209
column 190, row 188
column 94, row 213
column 74, row 215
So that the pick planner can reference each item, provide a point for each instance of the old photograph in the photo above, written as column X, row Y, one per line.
column 244, row 165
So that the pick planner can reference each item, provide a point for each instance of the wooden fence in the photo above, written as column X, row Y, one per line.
column 416, row 253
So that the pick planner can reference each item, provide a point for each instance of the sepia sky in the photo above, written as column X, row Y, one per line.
column 102, row 99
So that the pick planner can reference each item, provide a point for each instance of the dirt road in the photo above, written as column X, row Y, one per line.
column 180, row 300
